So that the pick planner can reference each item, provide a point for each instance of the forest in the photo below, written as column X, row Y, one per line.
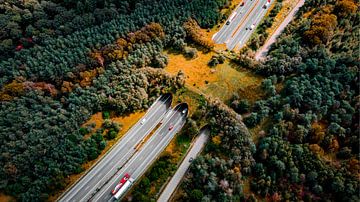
column 308, row 146
column 63, row 61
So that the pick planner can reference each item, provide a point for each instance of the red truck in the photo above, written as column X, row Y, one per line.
column 120, row 184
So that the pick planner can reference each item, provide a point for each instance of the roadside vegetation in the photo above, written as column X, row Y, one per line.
column 219, row 81
column 306, row 121
column 97, row 124
column 287, row 6
column 260, row 35
column 151, row 184
column 286, row 128
column 50, row 88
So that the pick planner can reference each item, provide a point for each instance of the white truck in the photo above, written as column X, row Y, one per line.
column 231, row 18
column 267, row 4
column 124, row 188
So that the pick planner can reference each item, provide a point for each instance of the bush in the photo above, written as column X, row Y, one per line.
column 190, row 53
column 252, row 120
column 106, row 115
column 196, row 195
column 111, row 134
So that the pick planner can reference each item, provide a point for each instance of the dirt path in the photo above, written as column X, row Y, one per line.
column 261, row 53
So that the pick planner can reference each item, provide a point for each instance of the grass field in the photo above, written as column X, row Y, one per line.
column 219, row 82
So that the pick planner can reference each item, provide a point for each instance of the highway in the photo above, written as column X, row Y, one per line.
column 148, row 153
column 261, row 53
column 195, row 149
column 120, row 153
column 237, row 33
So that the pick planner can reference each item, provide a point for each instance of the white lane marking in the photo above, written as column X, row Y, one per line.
column 169, row 137
column 226, row 27
column 130, row 162
column 249, row 15
column 124, row 156
column 124, row 141
column 246, row 36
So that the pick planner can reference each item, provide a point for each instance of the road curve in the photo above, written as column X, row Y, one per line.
column 153, row 147
column 106, row 167
column 195, row 149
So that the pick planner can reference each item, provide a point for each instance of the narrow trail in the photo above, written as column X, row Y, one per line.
column 261, row 53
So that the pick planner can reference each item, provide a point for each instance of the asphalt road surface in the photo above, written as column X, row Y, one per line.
column 152, row 148
column 119, row 154
column 236, row 34
column 265, row 48
column 180, row 172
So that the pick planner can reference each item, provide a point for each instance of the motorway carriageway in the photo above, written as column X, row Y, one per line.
column 148, row 153
column 119, row 154
column 195, row 149
column 236, row 34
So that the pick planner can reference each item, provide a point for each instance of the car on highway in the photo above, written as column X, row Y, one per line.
column 120, row 184
column 267, row 4
column 143, row 121
column 191, row 159
column 171, row 126
column 252, row 26
column 232, row 16
column 243, row 3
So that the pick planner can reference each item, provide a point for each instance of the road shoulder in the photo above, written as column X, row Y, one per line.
column 194, row 150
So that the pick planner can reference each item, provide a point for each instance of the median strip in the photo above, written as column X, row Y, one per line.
column 244, row 19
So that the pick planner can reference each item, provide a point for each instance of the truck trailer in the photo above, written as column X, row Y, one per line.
column 124, row 188
column 232, row 16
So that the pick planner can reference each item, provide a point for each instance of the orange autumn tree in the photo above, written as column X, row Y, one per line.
column 123, row 46
column 193, row 31
column 321, row 30
column 11, row 90
column 345, row 7
column 18, row 88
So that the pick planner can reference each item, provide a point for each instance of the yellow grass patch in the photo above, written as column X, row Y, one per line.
column 223, row 80
column 175, row 151
column 233, row 81
column 196, row 70
column 97, row 119
column 171, row 147
column 127, row 121
column 152, row 189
